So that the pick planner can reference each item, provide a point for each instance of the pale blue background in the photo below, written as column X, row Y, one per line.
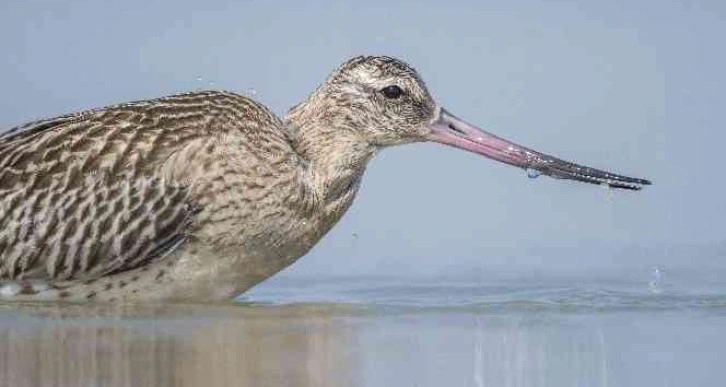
column 633, row 86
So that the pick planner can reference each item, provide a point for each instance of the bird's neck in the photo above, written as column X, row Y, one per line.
column 335, row 157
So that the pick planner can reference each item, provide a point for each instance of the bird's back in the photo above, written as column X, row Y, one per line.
column 109, row 190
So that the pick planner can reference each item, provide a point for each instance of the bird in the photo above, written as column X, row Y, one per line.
column 197, row 197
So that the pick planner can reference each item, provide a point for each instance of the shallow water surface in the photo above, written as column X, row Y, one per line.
column 362, row 332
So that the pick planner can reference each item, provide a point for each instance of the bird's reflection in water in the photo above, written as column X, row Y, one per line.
column 329, row 345
column 180, row 345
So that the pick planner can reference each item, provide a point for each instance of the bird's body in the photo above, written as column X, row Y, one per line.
column 95, row 208
column 200, row 196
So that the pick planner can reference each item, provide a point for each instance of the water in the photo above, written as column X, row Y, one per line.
column 496, row 331
column 533, row 173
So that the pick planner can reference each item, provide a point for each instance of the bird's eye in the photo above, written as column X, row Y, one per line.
column 392, row 92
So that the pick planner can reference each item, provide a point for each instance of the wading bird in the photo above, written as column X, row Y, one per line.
column 200, row 196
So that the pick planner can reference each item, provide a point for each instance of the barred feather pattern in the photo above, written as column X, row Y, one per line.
column 109, row 190
column 192, row 196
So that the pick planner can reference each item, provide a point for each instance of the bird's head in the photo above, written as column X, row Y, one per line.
column 381, row 101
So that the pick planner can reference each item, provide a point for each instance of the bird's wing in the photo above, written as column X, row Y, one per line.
column 83, row 195
column 101, row 227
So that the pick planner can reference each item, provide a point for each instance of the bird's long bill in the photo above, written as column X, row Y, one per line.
column 450, row 130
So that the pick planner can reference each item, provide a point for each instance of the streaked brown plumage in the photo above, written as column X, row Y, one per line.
column 202, row 195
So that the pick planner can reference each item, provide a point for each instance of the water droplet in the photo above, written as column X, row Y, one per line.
column 533, row 173
column 199, row 86
column 656, row 278
column 609, row 191
column 211, row 83
column 252, row 91
column 355, row 235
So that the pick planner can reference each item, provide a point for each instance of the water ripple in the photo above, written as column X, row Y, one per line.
column 603, row 296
